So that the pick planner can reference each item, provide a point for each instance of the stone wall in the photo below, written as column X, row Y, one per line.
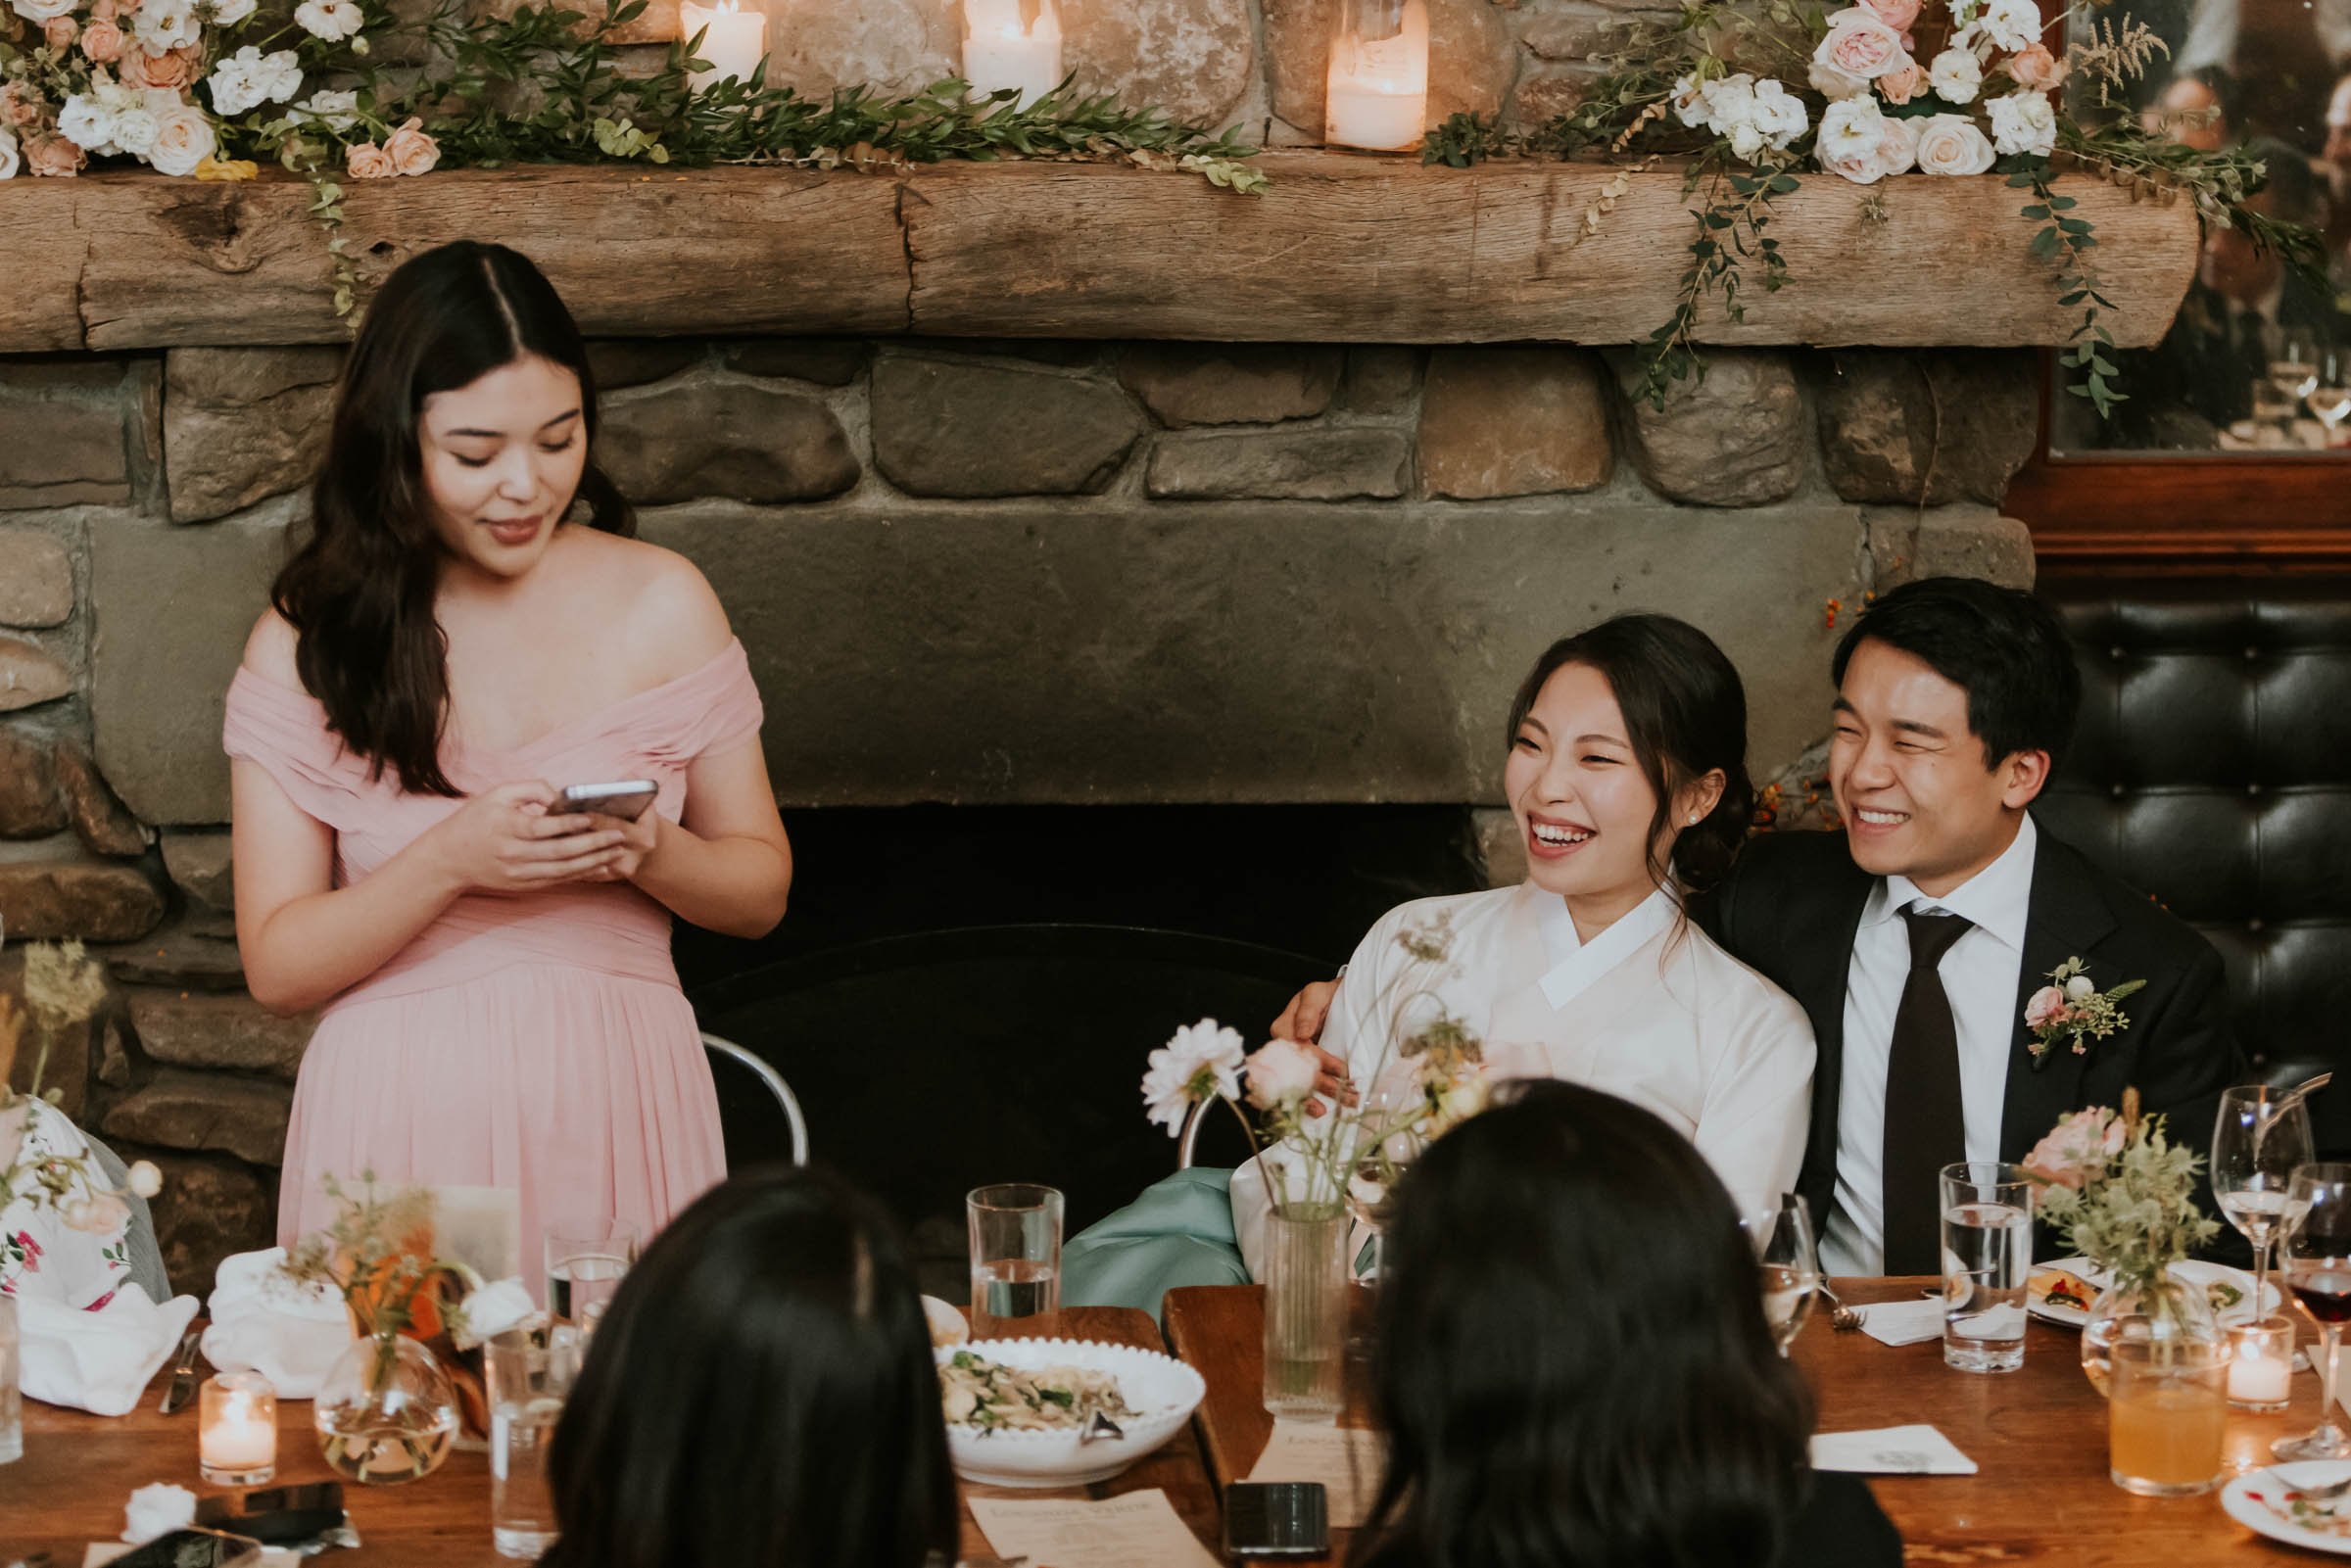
column 983, row 573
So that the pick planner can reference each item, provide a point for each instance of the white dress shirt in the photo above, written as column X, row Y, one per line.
column 1650, row 1009
column 1980, row 974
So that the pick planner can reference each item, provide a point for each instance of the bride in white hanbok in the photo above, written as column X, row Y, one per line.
column 1627, row 779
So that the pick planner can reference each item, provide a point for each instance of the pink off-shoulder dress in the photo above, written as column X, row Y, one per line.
column 539, row 1043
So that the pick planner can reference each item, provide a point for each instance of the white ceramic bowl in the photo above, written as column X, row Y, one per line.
column 1161, row 1389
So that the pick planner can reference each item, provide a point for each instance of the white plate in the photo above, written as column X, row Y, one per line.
column 948, row 1326
column 2239, row 1499
column 1162, row 1390
column 2193, row 1272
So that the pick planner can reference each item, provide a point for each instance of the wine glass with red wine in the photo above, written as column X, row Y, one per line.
column 2317, row 1231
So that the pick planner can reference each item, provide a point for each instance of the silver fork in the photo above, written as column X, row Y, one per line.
column 2327, row 1492
column 1842, row 1317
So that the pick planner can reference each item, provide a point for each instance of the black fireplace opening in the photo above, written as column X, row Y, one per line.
column 966, row 995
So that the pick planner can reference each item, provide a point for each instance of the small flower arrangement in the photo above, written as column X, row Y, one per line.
column 2071, row 1010
column 378, row 1255
column 64, row 988
column 2120, row 1192
column 1431, row 1078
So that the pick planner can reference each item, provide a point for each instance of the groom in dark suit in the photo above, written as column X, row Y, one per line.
column 1916, row 938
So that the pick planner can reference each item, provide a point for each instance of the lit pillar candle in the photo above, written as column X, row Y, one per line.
column 236, row 1432
column 734, row 41
column 2261, row 1364
column 1377, row 89
column 1004, row 48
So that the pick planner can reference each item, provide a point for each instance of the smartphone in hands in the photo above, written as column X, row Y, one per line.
column 626, row 799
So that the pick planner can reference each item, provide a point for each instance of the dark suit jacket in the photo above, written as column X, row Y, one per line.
column 1791, row 909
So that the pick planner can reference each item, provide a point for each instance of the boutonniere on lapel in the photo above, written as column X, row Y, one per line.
column 2071, row 1010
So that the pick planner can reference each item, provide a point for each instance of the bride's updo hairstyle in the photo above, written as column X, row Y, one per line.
column 1684, row 714
column 359, row 593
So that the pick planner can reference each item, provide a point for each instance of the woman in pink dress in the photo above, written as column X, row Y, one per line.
column 469, row 628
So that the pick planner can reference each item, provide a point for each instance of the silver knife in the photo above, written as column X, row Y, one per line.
column 183, row 1373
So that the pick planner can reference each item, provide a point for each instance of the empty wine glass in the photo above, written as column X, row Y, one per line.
column 2259, row 1140
column 2330, row 398
column 2293, row 371
column 2316, row 1232
column 1790, row 1264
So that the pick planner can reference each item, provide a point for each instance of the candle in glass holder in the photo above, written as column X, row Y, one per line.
column 734, row 41
column 1377, row 89
column 1012, row 44
column 2261, row 1364
column 236, row 1430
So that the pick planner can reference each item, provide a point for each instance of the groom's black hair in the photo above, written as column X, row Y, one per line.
column 2003, row 645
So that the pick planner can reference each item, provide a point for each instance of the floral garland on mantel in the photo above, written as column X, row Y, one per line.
column 1713, row 84
column 347, row 89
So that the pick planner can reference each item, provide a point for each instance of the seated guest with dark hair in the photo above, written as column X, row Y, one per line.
column 1574, row 1367
column 761, row 1395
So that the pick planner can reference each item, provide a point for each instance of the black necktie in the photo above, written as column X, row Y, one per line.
column 1925, row 1125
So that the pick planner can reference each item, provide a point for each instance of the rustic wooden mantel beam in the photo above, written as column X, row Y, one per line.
column 1342, row 249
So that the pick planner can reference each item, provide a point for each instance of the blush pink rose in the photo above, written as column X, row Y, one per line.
column 1859, row 44
column 2079, row 1146
column 102, row 42
column 367, row 160
column 53, row 157
column 102, row 10
column 20, row 108
column 58, row 32
column 172, row 71
column 410, row 150
column 1895, row 14
column 2035, row 66
column 1901, row 86
column 2046, row 1007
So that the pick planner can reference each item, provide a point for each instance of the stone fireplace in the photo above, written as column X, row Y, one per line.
column 1265, row 602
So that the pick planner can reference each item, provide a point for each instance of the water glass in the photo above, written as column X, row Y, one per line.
column 528, row 1376
column 12, row 1410
column 1986, row 1257
column 1790, row 1263
column 2167, row 1408
column 585, row 1263
column 1016, row 1256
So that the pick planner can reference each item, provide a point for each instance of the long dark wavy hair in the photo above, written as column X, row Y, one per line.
column 761, row 1394
column 1685, row 713
column 1572, row 1362
column 360, row 592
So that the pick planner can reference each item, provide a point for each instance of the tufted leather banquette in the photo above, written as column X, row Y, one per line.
column 2211, row 768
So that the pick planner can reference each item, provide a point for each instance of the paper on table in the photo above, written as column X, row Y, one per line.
column 1346, row 1459
column 1902, row 1323
column 1891, row 1450
column 1140, row 1530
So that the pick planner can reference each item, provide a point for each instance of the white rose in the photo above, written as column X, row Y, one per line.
column 331, row 20
column 229, row 12
column 42, row 10
column 165, row 26
column 1951, row 144
column 1862, row 168
column 1860, row 43
column 1955, row 76
column 1779, row 113
column 183, row 138
column 1897, row 154
column 87, row 123
column 8, row 155
column 145, row 1179
column 337, row 110
column 1836, row 85
column 2021, row 122
column 134, row 131
column 1853, row 128
column 2009, row 24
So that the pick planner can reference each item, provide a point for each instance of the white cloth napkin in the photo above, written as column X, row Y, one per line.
column 1891, row 1450
column 266, row 1322
column 1902, row 1323
column 98, row 1361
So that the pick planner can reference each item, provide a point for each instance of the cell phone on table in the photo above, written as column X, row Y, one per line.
column 1276, row 1519
column 193, row 1549
column 626, row 799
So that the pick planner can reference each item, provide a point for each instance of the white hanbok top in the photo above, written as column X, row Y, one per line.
column 1651, row 1009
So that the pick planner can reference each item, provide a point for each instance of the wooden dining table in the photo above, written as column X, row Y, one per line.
column 2040, row 1493
column 69, row 1489
column 2038, row 1436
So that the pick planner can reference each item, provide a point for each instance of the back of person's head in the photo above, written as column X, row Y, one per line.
column 761, row 1394
column 2001, row 645
column 1572, row 1364
column 1684, row 714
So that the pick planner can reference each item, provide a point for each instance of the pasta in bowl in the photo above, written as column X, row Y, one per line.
column 1018, row 1411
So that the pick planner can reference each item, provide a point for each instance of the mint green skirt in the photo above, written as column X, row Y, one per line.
column 1178, row 1233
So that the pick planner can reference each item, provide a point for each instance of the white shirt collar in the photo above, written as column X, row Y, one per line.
column 1575, row 963
column 1998, row 899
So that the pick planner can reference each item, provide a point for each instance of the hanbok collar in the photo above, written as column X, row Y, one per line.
column 1576, row 964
